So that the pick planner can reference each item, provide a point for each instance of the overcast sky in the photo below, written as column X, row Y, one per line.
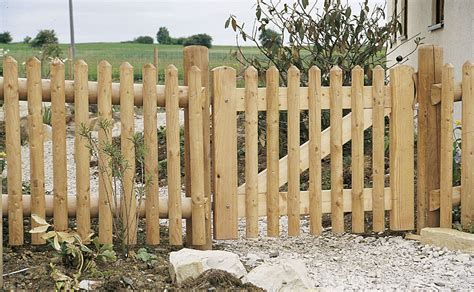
column 121, row 20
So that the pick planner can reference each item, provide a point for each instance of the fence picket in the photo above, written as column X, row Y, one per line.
column 35, row 133
column 104, row 100
column 196, row 150
column 58, row 123
column 151, row 155
column 273, row 152
column 446, row 156
column 315, row 199
column 378, row 150
column 251, row 152
column 293, row 151
column 357, row 135
column 225, row 158
column 467, row 178
column 337, row 212
column 173, row 156
column 13, row 150
column 129, row 203
column 402, row 148
column 82, row 153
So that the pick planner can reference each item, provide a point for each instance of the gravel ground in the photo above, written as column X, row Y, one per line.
column 351, row 261
column 339, row 262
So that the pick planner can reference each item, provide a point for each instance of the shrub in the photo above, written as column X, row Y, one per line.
column 27, row 40
column 163, row 36
column 144, row 40
column 44, row 37
column 199, row 39
column 5, row 37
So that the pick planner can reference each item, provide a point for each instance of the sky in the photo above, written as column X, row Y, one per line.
column 122, row 20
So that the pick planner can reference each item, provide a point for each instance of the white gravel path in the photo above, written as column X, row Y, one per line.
column 351, row 262
column 336, row 262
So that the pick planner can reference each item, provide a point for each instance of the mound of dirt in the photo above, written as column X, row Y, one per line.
column 217, row 279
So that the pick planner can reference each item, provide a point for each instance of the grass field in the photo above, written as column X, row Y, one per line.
column 135, row 54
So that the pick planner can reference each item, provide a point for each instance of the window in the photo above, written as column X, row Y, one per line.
column 401, row 13
column 437, row 15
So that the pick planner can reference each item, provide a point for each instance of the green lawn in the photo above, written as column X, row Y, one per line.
column 135, row 54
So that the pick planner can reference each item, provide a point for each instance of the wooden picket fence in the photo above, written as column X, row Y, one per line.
column 211, row 173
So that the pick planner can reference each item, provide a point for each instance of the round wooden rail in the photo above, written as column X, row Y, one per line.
column 94, row 201
column 93, row 87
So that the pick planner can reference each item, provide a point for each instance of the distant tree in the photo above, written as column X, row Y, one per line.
column 144, row 40
column 5, row 37
column 163, row 36
column 178, row 41
column 199, row 39
column 268, row 37
column 27, row 40
column 45, row 36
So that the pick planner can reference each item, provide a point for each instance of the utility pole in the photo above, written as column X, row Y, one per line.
column 71, row 28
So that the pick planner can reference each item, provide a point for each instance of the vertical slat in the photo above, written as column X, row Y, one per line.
column 467, row 178
column 13, row 150
column 151, row 155
column 104, row 100
column 446, row 184
column 199, row 56
column 173, row 156
column 293, row 199
column 35, row 128
column 82, row 153
column 58, row 123
column 357, row 148
column 378, row 150
column 430, row 63
column 195, row 105
column 225, row 157
column 402, row 148
column 335, row 93
column 129, row 206
column 273, row 152
column 315, row 200
column 251, row 152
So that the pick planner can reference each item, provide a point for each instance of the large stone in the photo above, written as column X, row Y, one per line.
column 450, row 238
column 285, row 275
column 189, row 263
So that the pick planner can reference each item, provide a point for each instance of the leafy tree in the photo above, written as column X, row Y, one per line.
column 323, row 37
column 143, row 40
column 163, row 36
column 44, row 37
column 5, row 37
column 199, row 39
column 268, row 36
column 27, row 40
column 179, row 41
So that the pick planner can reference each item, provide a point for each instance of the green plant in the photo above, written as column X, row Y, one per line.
column 114, row 169
column 44, row 37
column 27, row 40
column 72, row 252
column 163, row 36
column 143, row 40
column 5, row 37
column 146, row 257
column 201, row 39
column 457, row 153
column 47, row 115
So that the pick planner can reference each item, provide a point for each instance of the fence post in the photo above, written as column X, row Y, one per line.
column 430, row 63
column 199, row 56
column 224, row 161
column 402, row 184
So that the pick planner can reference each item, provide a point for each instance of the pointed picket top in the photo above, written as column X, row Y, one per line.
column 57, row 62
column 357, row 68
column 314, row 69
column 10, row 59
column 104, row 64
column 378, row 68
column 149, row 66
column 171, row 70
column 449, row 66
column 81, row 65
column 467, row 64
column 126, row 66
column 32, row 62
column 336, row 69
column 272, row 70
column 293, row 71
column 224, row 68
column 251, row 72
